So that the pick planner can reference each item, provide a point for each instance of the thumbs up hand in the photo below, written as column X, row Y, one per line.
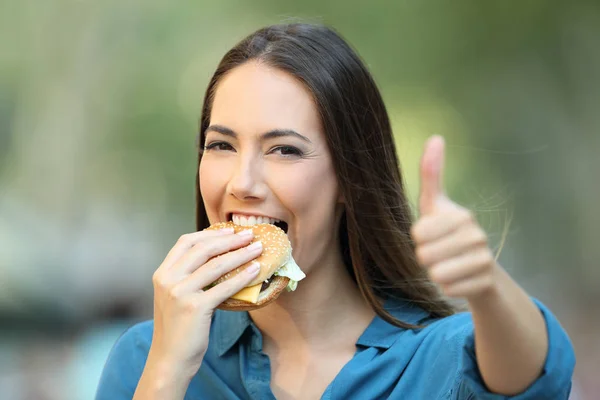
column 449, row 241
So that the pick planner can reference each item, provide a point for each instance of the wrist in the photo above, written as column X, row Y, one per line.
column 155, row 385
column 492, row 293
column 165, row 375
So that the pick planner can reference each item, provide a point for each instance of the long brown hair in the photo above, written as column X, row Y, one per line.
column 374, row 230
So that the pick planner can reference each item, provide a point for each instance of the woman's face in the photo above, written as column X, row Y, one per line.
column 266, row 155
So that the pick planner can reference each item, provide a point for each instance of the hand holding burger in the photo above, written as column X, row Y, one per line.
column 219, row 267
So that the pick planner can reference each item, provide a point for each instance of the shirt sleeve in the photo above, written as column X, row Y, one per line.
column 125, row 364
column 553, row 383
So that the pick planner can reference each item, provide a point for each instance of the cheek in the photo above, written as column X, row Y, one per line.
column 310, row 194
column 211, row 185
column 307, row 190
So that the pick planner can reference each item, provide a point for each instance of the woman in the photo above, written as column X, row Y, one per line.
column 294, row 128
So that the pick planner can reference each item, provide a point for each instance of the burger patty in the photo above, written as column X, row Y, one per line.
column 265, row 284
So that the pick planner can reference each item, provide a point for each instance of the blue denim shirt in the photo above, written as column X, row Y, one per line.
column 436, row 362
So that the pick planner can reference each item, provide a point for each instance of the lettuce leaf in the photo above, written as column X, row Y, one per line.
column 292, row 271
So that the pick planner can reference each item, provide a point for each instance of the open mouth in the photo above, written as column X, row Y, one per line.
column 254, row 220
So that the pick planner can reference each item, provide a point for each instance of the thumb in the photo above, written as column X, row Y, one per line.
column 432, row 167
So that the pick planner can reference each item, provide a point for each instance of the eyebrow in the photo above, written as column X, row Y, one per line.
column 272, row 134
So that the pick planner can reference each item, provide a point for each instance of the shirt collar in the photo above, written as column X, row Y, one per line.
column 231, row 325
column 229, row 328
column 382, row 334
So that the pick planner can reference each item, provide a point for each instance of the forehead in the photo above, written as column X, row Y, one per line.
column 255, row 98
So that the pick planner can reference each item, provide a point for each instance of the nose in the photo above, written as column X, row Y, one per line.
column 246, row 181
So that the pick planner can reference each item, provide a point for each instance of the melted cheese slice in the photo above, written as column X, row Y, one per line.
column 249, row 294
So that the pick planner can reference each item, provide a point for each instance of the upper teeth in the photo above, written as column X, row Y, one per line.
column 244, row 220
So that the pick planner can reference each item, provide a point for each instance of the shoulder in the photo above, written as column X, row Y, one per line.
column 436, row 337
column 395, row 362
column 441, row 335
column 451, row 327
column 125, row 363
column 442, row 341
column 450, row 342
column 135, row 339
column 141, row 331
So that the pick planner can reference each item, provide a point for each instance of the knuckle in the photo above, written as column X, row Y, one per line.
column 479, row 236
column 463, row 216
column 217, row 265
column 201, row 251
column 489, row 281
column 189, row 306
column 485, row 283
column 184, row 239
column 422, row 255
column 213, row 246
column 486, row 256
column 200, row 248
column 435, row 276
column 189, row 239
column 174, row 293
column 417, row 233
column 158, row 279
column 448, row 289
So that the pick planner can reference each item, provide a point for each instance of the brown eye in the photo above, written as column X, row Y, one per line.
column 218, row 146
column 288, row 151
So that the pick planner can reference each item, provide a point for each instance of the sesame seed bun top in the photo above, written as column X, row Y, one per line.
column 276, row 249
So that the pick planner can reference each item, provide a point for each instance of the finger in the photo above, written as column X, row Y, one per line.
column 454, row 244
column 462, row 267
column 432, row 164
column 436, row 226
column 218, row 267
column 228, row 288
column 473, row 286
column 187, row 241
column 203, row 251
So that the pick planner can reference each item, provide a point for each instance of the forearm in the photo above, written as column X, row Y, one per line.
column 511, row 341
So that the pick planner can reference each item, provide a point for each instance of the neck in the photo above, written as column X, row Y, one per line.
column 326, row 309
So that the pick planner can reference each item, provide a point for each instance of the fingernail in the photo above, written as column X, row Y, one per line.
column 254, row 246
column 246, row 232
column 226, row 230
column 253, row 268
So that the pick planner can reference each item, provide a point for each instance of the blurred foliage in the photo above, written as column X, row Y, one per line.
column 99, row 104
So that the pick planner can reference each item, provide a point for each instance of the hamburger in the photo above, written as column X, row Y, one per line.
column 278, row 270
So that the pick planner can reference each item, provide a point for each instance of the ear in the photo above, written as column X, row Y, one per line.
column 340, row 199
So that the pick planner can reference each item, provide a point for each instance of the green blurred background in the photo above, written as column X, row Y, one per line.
column 99, row 103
